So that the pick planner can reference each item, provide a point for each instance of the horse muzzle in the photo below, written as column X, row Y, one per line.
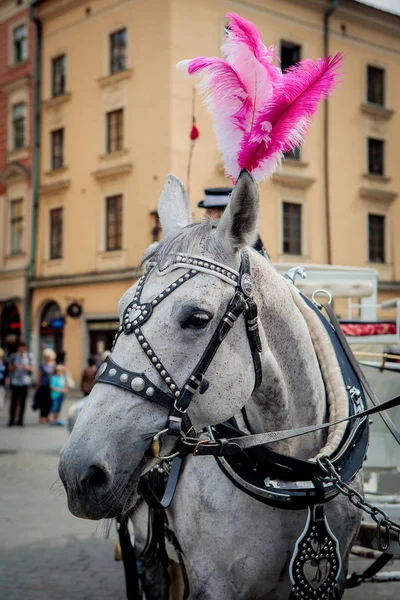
column 94, row 489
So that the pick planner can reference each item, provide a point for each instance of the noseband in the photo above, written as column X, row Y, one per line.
column 137, row 313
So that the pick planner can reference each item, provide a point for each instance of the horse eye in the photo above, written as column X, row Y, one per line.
column 196, row 320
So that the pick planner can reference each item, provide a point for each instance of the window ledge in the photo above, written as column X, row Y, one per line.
column 22, row 63
column 294, row 258
column 18, row 153
column 15, row 255
column 53, row 262
column 112, row 155
column 116, row 171
column 293, row 162
column 53, row 188
column 114, row 78
column 110, row 254
column 55, row 172
column 56, row 100
column 16, row 84
column 296, row 181
column 378, row 194
column 377, row 178
column 375, row 110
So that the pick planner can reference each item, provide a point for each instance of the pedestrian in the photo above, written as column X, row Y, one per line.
column 58, row 390
column 21, row 367
column 88, row 375
column 42, row 398
column 4, row 381
column 215, row 202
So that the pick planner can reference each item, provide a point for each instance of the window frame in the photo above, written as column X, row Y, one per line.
column 21, row 122
column 57, row 158
column 292, row 251
column 117, row 53
column 381, row 251
column 383, row 85
column 381, row 171
column 23, row 42
column 115, row 131
column 60, row 59
column 14, row 221
column 56, row 232
column 111, row 244
column 294, row 154
column 294, row 45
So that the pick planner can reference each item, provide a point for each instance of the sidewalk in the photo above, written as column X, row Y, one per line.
column 45, row 552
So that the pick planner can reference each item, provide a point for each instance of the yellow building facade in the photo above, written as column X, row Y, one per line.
column 116, row 117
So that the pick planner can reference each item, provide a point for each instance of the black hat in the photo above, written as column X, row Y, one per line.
column 216, row 198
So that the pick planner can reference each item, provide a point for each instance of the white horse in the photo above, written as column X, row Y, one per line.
column 235, row 546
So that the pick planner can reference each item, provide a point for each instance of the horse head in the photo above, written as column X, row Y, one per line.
column 172, row 313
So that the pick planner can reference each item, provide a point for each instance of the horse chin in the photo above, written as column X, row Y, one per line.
column 83, row 509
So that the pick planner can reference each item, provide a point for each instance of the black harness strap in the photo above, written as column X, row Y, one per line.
column 356, row 579
column 238, row 444
column 132, row 574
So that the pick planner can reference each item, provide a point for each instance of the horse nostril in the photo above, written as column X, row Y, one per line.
column 96, row 477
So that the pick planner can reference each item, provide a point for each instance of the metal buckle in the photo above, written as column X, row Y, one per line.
column 155, row 445
column 201, row 443
column 176, row 407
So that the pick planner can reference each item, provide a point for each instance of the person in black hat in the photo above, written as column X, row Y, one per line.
column 215, row 202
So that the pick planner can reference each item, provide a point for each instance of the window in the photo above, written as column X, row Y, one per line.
column 156, row 226
column 115, row 130
column 293, row 154
column 58, row 75
column 56, row 233
column 290, row 54
column 375, row 157
column 113, row 223
column 20, row 44
column 118, row 51
column 18, row 125
column 57, row 149
column 16, row 225
column 376, row 238
column 291, row 228
column 375, row 85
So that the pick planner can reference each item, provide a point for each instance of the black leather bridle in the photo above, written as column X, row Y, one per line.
column 136, row 314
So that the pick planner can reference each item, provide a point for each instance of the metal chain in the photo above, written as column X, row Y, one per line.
column 381, row 519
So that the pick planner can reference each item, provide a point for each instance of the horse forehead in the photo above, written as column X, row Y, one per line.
column 202, row 288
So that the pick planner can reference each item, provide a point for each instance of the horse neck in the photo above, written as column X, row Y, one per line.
column 292, row 392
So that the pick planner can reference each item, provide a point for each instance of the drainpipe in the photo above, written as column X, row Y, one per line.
column 327, row 15
column 30, row 270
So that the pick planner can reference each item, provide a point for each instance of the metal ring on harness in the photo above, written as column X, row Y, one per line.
column 383, row 544
column 155, row 445
column 320, row 291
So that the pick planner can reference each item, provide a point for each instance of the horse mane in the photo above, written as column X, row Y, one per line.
column 195, row 239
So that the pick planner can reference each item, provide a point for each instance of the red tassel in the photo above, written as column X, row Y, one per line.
column 194, row 134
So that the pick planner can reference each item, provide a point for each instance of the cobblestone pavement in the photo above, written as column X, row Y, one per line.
column 45, row 552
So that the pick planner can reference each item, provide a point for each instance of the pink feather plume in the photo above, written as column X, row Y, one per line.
column 258, row 112
column 286, row 118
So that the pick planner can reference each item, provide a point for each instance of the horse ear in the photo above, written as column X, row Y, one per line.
column 173, row 207
column 238, row 226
